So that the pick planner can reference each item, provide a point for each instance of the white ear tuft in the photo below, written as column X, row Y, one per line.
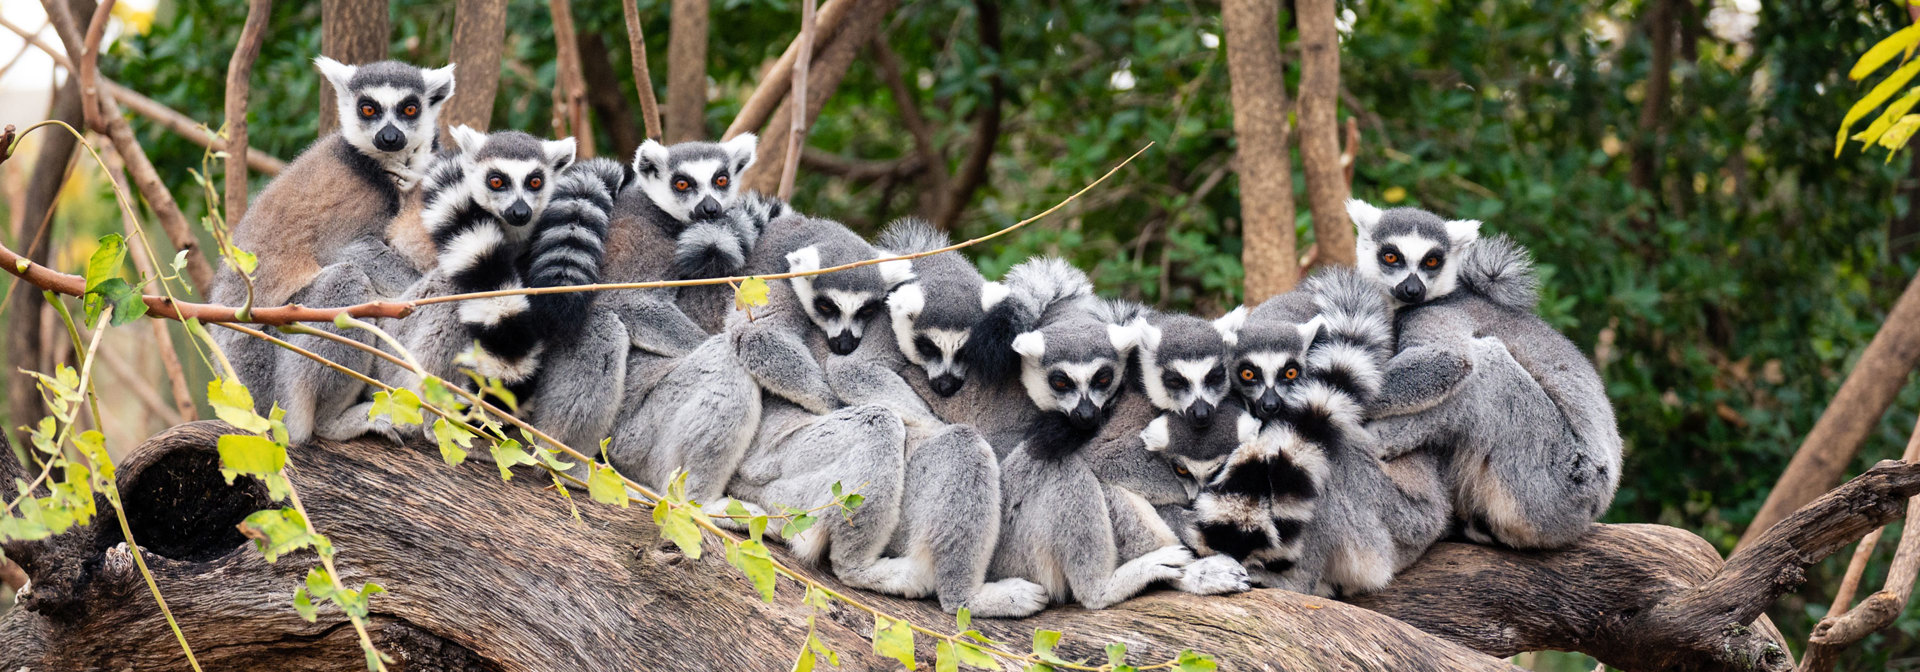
column 1463, row 231
column 1031, row 345
column 1248, row 428
column 650, row 160
column 1125, row 337
column 896, row 272
column 907, row 301
column 803, row 260
column 336, row 72
column 439, row 84
column 741, row 151
column 1155, row 435
column 992, row 293
column 1363, row 214
column 1229, row 325
column 1310, row 331
column 1149, row 337
column 560, row 152
column 468, row 140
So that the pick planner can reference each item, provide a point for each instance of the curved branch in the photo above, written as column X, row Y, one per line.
column 239, row 81
column 773, row 88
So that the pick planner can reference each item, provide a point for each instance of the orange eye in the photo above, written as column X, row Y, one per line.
column 1292, row 373
column 1432, row 262
column 410, row 110
column 534, row 183
column 720, row 181
column 1181, row 470
column 1390, row 258
column 1247, row 375
column 496, row 183
column 682, row 185
column 367, row 111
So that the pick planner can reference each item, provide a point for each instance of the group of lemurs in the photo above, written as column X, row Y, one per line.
column 1018, row 442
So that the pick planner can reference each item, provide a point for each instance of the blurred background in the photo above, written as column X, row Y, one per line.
column 1671, row 163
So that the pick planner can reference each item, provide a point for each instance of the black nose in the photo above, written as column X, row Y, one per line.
column 1086, row 415
column 1268, row 405
column 844, row 343
column 1410, row 290
column 1200, row 414
column 519, row 213
column 389, row 139
column 946, row 384
column 707, row 209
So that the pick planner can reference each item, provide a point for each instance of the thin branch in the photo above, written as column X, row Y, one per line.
column 642, row 79
column 797, row 132
column 1881, row 608
column 893, row 73
column 239, row 81
column 860, row 170
column 89, row 61
column 142, row 255
column 141, row 389
column 147, row 179
column 773, row 88
column 572, row 88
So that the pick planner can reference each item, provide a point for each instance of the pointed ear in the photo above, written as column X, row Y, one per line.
column 907, row 301
column 1229, row 325
column 468, row 140
column 560, row 153
column 650, row 161
column 992, row 293
column 1155, row 435
column 1312, row 331
column 1364, row 216
column 1463, row 231
column 740, row 151
column 439, row 84
column 896, row 272
column 336, row 72
column 1031, row 345
column 1125, row 337
column 803, row 260
column 1149, row 337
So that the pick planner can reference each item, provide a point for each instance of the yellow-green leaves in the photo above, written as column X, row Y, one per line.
column 321, row 585
column 402, row 407
column 1898, row 134
column 277, row 532
column 234, row 404
column 259, row 457
column 454, row 440
column 605, row 486
column 105, row 287
column 506, row 455
column 1901, row 42
column 1194, row 662
column 752, row 293
column 894, row 639
column 752, row 559
column 1882, row 130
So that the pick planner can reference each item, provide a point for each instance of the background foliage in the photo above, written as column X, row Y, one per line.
column 1724, row 305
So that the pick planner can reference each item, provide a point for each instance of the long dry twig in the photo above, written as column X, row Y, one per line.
column 773, row 87
column 572, row 87
column 797, row 131
column 142, row 254
column 642, row 79
column 239, row 82
column 88, row 58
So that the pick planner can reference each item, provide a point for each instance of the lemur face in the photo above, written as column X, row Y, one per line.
column 841, row 304
column 1408, row 250
column 694, row 181
column 932, row 339
column 1184, row 368
column 1075, row 367
column 388, row 109
column 1269, row 362
column 511, row 174
column 1197, row 465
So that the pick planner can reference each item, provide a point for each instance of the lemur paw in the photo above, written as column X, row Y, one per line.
column 902, row 577
column 1008, row 598
column 1167, row 563
column 1214, row 575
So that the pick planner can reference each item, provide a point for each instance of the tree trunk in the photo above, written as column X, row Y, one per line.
column 352, row 32
column 1657, row 96
column 605, row 97
column 686, row 113
column 1259, row 94
column 24, row 301
column 823, row 76
column 1327, row 182
column 479, row 40
column 1872, row 385
column 642, row 75
column 491, row 575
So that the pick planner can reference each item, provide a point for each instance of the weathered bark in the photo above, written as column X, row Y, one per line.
column 823, row 76
column 479, row 40
column 1259, row 93
column 1320, row 156
column 610, row 108
column 642, row 77
column 1875, row 380
column 687, row 29
column 354, row 32
column 24, row 300
column 239, row 82
column 1843, row 626
column 570, row 92
column 779, row 77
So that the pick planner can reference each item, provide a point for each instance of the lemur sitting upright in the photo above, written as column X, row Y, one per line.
column 1514, row 410
column 321, row 233
column 507, row 211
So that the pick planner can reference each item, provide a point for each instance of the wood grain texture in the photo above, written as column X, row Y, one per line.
column 1259, row 93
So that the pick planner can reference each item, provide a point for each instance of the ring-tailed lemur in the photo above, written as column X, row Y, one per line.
column 329, row 232
column 509, row 211
column 1524, row 428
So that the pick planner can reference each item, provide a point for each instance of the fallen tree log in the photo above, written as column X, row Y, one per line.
column 492, row 575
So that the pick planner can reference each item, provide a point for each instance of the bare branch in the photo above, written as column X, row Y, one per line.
column 797, row 130
column 934, row 181
column 986, row 130
column 1843, row 627
column 830, row 64
column 572, row 88
column 642, row 79
column 779, row 78
column 88, row 58
column 239, row 78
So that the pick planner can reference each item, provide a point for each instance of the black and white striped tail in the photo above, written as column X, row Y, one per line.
column 568, row 243
column 719, row 248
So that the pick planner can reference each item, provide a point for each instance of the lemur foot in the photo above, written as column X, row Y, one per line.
column 893, row 576
column 1008, row 598
column 1214, row 575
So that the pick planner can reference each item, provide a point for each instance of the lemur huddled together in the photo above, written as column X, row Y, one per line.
column 1018, row 443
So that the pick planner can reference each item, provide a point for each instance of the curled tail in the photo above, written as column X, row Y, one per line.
column 1357, row 339
column 911, row 235
column 1502, row 271
column 569, row 241
column 477, row 254
column 1035, row 287
column 719, row 248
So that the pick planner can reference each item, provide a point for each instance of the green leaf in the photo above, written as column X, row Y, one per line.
column 303, row 605
column 1116, row 654
column 1897, row 109
column 106, row 260
column 277, row 532
column 454, row 439
column 1194, row 662
column 752, row 559
column 509, row 454
column 1880, row 93
column 552, row 459
column 964, row 619
column 402, row 407
column 93, row 445
column 756, row 527
column 180, row 262
column 1901, row 41
column 820, row 647
column 752, row 293
column 1043, row 643
column 944, row 659
column 233, row 403
column 676, row 525
column 244, row 260
column 797, row 523
column 250, row 455
column 973, row 656
column 605, row 486
column 894, row 639
column 805, row 662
